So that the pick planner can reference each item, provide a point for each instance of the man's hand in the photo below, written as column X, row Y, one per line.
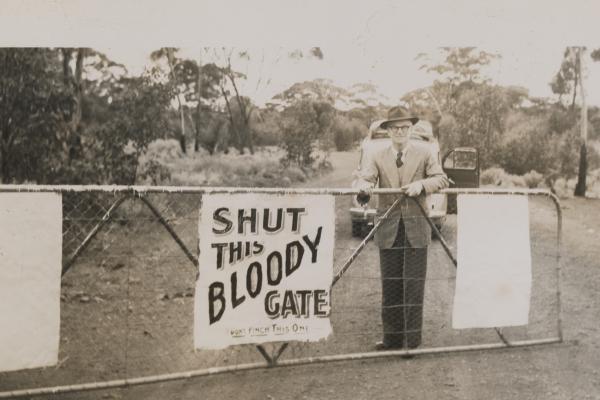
column 413, row 189
column 364, row 196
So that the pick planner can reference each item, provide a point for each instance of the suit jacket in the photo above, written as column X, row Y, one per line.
column 420, row 164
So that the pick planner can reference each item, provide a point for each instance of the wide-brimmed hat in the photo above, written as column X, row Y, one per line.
column 398, row 113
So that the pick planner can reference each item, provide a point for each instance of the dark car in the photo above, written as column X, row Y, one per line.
column 363, row 216
column 462, row 167
column 460, row 164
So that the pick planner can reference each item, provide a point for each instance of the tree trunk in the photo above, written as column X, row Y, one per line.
column 580, row 188
column 244, row 133
column 237, row 142
column 4, row 167
column 171, row 61
column 199, row 105
column 197, row 121
column 182, row 142
column 71, row 141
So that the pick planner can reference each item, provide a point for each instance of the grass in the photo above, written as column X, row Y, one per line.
column 165, row 164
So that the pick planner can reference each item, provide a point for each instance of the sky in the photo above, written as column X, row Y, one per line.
column 394, row 73
column 363, row 41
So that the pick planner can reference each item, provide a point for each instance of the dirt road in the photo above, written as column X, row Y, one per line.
column 567, row 371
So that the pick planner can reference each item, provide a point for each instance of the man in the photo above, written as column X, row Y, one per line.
column 404, row 236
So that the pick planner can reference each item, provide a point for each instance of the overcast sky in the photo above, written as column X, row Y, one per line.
column 395, row 73
column 363, row 41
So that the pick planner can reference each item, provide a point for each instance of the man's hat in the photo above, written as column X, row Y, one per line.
column 398, row 113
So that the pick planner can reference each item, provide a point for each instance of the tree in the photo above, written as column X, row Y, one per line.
column 567, row 81
column 202, row 92
column 568, row 76
column 303, row 125
column 168, row 53
column 240, row 122
column 237, row 66
column 580, row 187
column 321, row 90
column 32, row 106
column 463, row 104
column 139, row 115
column 460, row 69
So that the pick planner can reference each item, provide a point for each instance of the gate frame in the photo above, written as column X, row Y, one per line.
column 272, row 360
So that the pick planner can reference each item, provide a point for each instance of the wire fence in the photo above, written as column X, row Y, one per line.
column 129, row 272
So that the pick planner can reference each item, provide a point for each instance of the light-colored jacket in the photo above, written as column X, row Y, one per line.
column 419, row 165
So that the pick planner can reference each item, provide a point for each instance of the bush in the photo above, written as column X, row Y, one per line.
column 561, row 188
column 305, row 127
column 154, row 163
column 498, row 177
column 266, row 129
column 346, row 132
column 492, row 176
column 533, row 179
column 261, row 169
column 593, row 184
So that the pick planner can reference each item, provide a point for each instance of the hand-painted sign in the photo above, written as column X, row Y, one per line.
column 265, row 269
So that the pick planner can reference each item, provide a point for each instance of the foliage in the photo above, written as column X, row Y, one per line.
column 154, row 161
column 491, row 176
column 461, row 64
column 498, row 177
column 319, row 90
column 567, row 78
column 305, row 126
column 34, row 106
column 346, row 132
column 266, row 128
column 72, row 115
column 464, row 107
column 261, row 169
column 139, row 115
column 533, row 179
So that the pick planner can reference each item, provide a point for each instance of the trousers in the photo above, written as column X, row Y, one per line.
column 403, row 273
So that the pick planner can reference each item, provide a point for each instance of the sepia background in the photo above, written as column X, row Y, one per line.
column 280, row 94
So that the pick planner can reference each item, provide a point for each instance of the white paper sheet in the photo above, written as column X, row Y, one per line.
column 493, row 280
column 279, row 281
column 30, row 268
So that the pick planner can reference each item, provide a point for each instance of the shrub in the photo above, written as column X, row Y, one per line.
column 561, row 188
column 346, row 132
column 154, row 163
column 305, row 127
column 496, row 176
column 533, row 179
column 513, row 181
column 593, row 184
column 492, row 176
column 261, row 169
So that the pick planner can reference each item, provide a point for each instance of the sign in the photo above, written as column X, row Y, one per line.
column 30, row 270
column 265, row 269
column 493, row 279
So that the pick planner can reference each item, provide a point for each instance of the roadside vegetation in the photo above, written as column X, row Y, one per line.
column 72, row 115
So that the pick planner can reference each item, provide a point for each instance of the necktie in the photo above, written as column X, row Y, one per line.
column 399, row 160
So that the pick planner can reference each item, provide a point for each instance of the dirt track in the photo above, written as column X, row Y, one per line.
column 567, row 371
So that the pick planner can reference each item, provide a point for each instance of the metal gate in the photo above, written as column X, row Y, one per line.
column 130, row 263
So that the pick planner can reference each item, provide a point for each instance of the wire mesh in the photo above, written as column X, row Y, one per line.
column 127, row 297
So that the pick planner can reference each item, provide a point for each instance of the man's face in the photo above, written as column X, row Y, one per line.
column 399, row 132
